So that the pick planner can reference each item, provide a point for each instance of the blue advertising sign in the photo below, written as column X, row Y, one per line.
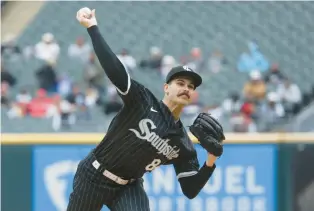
column 244, row 180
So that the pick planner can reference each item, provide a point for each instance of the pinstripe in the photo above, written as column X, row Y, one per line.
column 122, row 152
column 133, row 198
column 86, row 196
column 122, row 126
column 144, row 153
column 78, row 195
column 130, row 201
column 125, row 155
column 110, row 192
column 90, row 192
column 98, row 197
column 82, row 198
column 136, row 193
column 125, row 201
column 139, row 198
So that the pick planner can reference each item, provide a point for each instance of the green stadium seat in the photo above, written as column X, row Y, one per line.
column 283, row 31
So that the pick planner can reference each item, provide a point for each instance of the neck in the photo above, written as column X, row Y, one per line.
column 175, row 108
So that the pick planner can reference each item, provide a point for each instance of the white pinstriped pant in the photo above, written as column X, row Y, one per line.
column 90, row 195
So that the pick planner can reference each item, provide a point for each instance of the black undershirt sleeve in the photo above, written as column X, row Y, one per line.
column 192, row 178
column 112, row 66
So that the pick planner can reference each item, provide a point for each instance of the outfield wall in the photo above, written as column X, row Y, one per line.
column 255, row 173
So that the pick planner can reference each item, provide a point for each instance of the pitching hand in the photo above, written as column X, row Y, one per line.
column 86, row 17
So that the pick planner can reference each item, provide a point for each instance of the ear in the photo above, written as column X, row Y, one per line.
column 166, row 87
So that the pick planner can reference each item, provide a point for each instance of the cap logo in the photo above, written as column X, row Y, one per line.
column 187, row 68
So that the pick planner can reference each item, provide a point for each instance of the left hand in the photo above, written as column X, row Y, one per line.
column 209, row 133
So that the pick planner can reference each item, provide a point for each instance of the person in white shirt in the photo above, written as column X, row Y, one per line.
column 272, row 111
column 47, row 49
column 289, row 92
column 80, row 50
column 127, row 60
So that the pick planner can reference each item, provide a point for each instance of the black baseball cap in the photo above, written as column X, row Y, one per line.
column 184, row 71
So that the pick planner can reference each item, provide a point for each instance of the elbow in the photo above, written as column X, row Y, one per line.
column 190, row 194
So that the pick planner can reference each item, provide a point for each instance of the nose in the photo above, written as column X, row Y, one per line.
column 187, row 89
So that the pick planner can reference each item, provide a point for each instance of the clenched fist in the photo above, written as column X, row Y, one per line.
column 86, row 17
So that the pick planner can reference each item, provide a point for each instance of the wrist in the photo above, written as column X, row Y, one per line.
column 210, row 162
column 94, row 24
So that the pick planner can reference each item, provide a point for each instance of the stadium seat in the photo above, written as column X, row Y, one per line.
column 282, row 30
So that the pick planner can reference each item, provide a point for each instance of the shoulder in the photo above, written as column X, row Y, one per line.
column 141, row 88
column 136, row 94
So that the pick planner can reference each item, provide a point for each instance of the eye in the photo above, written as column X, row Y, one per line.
column 191, row 86
column 180, row 83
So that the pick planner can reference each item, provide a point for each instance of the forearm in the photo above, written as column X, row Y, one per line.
column 108, row 60
column 192, row 185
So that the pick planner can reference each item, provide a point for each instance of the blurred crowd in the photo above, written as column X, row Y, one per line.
column 268, row 96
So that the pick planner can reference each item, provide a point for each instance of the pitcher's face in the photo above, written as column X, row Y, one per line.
column 180, row 90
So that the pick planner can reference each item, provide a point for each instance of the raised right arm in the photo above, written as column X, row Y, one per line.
column 108, row 60
column 114, row 69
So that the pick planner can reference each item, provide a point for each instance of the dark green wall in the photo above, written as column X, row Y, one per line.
column 16, row 178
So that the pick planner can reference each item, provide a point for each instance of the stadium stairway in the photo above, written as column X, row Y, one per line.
column 12, row 23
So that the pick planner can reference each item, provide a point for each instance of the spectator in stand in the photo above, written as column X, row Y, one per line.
column 127, row 60
column 289, row 94
column 274, row 76
column 272, row 111
column 244, row 120
column 80, row 50
column 47, row 77
column 245, row 63
column 216, row 62
column 232, row 104
column 255, row 88
column 47, row 49
column 9, row 49
column 77, row 99
column 20, row 107
column 154, row 61
column 5, row 101
column 40, row 104
column 62, row 113
column 167, row 63
column 94, row 75
column 254, row 59
column 196, row 61
column 91, row 97
column 113, row 103
column 7, row 76
column 194, row 108
column 64, row 85
column 242, row 123
column 23, row 96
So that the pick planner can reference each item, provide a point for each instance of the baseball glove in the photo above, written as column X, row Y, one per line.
column 209, row 133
